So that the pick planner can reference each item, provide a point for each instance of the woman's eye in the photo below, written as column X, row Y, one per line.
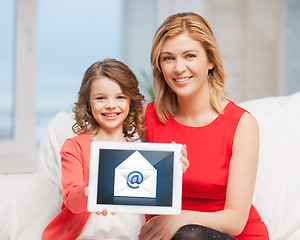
column 190, row 56
column 167, row 58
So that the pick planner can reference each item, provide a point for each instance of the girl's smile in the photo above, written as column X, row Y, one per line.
column 111, row 115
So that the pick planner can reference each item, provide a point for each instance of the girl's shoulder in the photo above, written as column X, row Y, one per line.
column 81, row 137
column 80, row 140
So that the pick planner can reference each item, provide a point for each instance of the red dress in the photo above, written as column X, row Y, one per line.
column 209, row 152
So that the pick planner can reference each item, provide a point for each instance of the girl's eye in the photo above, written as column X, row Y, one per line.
column 121, row 97
column 99, row 98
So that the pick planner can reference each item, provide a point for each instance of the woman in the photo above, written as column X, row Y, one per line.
column 222, row 139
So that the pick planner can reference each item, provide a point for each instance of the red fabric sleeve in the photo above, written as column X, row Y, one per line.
column 73, row 183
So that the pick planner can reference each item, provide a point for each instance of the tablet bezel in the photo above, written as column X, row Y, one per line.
column 175, row 207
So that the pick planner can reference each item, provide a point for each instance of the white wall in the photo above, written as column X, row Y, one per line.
column 250, row 34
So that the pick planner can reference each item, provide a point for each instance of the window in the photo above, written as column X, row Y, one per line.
column 18, row 85
column 292, row 46
column 70, row 38
column 7, row 40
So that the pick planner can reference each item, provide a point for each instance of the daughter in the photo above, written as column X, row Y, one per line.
column 109, row 108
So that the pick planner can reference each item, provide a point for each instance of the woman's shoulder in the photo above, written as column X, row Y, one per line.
column 149, row 107
column 248, row 121
column 149, row 111
column 234, row 111
column 233, row 107
column 245, row 119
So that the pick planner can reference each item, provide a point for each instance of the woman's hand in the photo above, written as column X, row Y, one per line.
column 161, row 227
column 183, row 158
column 86, row 192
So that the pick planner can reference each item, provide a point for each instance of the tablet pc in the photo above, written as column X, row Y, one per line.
column 135, row 177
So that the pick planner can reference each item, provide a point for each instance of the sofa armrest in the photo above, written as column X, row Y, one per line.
column 277, row 192
column 57, row 131
column 28, row 203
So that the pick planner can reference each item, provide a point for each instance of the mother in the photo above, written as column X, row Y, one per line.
column 222, row 139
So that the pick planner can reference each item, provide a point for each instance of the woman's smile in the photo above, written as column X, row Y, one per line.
column 182, row 80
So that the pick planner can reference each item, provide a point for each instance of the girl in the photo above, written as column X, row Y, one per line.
column 109, row 108
column 221, row 138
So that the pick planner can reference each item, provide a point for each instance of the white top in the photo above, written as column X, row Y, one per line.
column 121, row 226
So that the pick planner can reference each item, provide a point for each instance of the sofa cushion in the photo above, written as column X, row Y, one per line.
column 57, row 131
column 277, row 192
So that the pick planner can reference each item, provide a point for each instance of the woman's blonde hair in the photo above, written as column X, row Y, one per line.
column 125, row 78
column 199, row 30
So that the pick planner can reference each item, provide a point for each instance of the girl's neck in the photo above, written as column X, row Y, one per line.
column 109, row 136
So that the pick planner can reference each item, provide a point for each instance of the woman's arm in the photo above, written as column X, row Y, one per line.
column 241, row 181
column 242, row 172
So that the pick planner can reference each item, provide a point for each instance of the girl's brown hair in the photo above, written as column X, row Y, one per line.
column 199, row 30
column 125, row 78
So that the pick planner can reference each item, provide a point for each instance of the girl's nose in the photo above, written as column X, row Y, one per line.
column 110, row 107
column 110, row 104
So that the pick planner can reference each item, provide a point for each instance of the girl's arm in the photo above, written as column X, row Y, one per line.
column 73, row 183
column 241, row 181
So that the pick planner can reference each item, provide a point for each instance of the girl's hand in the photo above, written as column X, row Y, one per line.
column 161, row 227
column 86, row 192
column 183, row 158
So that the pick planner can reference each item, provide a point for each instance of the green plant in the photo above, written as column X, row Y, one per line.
column 146, row 82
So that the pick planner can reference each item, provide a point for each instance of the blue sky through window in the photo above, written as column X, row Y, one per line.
column 72, row 34
column 7, row 40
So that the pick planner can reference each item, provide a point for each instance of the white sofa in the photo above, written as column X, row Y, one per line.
column 30, row 201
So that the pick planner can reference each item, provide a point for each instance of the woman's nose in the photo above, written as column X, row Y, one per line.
column 179, row 67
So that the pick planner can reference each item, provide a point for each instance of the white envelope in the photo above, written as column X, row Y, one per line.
column 135, row 177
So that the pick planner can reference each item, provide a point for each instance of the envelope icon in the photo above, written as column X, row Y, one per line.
column 135, row 177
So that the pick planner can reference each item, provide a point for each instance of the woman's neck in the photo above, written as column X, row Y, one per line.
column 195, row 110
